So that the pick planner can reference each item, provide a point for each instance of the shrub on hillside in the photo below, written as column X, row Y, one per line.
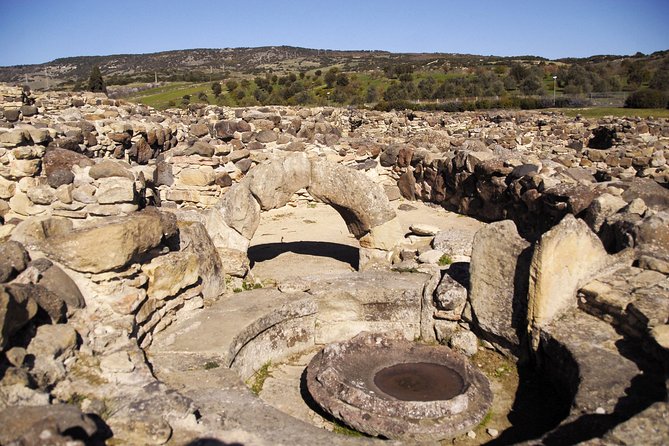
column 647, row 98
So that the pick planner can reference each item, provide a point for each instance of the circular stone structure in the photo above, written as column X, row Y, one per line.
column 389, row 387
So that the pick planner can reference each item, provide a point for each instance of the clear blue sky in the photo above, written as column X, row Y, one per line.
column 36, row 31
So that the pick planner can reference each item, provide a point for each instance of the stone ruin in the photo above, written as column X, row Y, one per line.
column 125, row 230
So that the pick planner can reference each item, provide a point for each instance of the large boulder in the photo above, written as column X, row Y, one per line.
column 112, row 243
column 566, row 258
column 240, row 210
column 57, row 282
column 170, row 273
column 362, row 203
column 275, row 181
column 193, row 239
column 499, row 274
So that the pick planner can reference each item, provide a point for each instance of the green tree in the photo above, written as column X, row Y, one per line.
column 330, row 77
column 95, row 81
column 216, row 88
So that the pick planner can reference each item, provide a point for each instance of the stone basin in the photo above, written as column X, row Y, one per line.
column 387, row 386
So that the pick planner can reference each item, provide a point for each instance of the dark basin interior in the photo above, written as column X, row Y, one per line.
column 420, row 381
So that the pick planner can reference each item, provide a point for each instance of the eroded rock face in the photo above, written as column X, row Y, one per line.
column 564, row 260
column 111, row 245
column 499, row 276
column 274, row 182
column 360, row 202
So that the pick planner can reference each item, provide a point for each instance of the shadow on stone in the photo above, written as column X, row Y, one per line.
column 538, row 407
column 211, row 442
column 645, row 389
column 343, row 253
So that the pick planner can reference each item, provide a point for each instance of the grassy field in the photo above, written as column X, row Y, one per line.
column 161, row 96
column 599, row 112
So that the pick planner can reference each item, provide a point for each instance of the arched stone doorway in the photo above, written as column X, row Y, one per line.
column 362, row 204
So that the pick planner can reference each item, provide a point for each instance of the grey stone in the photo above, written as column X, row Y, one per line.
column 276, row 180
column 240, row 210
column 362, row 203
column 499, row 275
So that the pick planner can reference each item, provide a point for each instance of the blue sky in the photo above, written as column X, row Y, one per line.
column 36, row 31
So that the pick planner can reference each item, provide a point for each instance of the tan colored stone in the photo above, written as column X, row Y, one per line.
column 114, row 190
column 565, row 259
column 384, row 236
column 170, row 273
column 111, row 243
column 203, row 176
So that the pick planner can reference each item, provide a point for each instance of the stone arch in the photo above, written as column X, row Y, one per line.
column 363, row 204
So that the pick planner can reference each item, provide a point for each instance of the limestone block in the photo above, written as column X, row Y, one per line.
column 193, row 238
column 111, row 243
column 7, row 188
column 240, row 210
column 170, row 273
column 108, row 168
column 565, row 259
column 362, row 203
column 384, row 236
column 41, row 194
column 203, row 176
column 114, row 190
column 423, row 229
column 273, row 182
column 234, row 262
column 222, row 235
column 21, row 204
column 499, row 274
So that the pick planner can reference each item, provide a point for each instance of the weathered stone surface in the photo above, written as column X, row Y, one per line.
column 52, row 424
column 200, row 148
column 41, row 194
column 240, row 210
column 170, row 273
column 193, row 238
column 112, row 243
column 56, row 281
column 13, row 260
column 499, row 276
column 225, row 129
column 7, row 188
column 362, row 203
column 115, row 190
column 57, row 164
column 276, row 180
column 15, row 312
column 601, row 208
column 564, row 260
column 197, row 176
column 465, row 342
column 108, row 168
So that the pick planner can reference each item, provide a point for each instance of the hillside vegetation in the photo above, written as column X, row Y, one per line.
column 299, row 76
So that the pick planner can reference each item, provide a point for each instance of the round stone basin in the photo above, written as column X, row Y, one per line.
column 422, row 381
column 386, row 386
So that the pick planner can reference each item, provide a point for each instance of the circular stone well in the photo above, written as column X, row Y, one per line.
column 390, row 387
